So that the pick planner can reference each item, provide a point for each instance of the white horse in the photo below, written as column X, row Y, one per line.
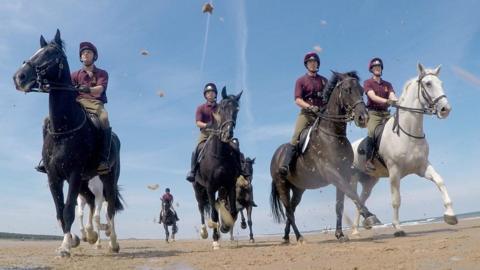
column 90, row 235
column 403, row 147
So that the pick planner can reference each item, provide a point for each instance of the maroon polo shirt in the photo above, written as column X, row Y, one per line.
column 382, row 89
column 310, row 89
column 100, row 77
column 205, row 111
column 167, row 197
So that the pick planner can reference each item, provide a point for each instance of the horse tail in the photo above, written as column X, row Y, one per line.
column 119, row 201
column 275, row 205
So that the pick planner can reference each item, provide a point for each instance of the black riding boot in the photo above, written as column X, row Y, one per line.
column 193, row 167
column 369, row 166
column 41, row 167
column 289, row 159
column 104, row 166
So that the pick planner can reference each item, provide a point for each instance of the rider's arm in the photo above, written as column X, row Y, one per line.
column 301, row 103
column 201, row 124
column 102, row 82
column 392, row 96
column 375, row 98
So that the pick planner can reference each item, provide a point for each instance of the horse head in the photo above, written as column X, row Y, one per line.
column 45, row 68
column 248, row 168
column 344, row 95
column 431, row 93
column 226, row 116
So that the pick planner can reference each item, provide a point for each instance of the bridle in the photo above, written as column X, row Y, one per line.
column 339, row 118
column 43, row 84
column 427, row 109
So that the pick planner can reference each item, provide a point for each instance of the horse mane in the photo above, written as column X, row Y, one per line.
column 332, row 83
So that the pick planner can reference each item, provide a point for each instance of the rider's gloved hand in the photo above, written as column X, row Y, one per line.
column 84, row 89
column 392, row 102
column 314, row 109
column 209, row 125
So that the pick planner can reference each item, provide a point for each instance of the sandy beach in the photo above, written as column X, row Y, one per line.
column 427, row 246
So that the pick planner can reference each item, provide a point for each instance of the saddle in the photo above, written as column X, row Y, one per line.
column 304, row 138
column 377, row 138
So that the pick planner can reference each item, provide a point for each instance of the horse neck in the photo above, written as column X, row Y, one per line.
column 410, row 121
column 64, row 111
column 217, row 147
column 333, row 108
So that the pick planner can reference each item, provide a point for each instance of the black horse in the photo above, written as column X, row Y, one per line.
column 219, row 168
column 244, row 190
column 327, row 158
column 168, row 218
column 72, row 142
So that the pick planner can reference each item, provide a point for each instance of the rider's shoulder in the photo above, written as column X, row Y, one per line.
column 100, row 71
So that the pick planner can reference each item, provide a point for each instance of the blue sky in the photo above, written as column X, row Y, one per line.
column 255, row 46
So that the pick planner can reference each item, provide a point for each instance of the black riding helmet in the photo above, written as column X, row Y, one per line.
column 210, row 87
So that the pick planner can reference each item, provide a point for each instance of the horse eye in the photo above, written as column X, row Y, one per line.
column 428, row 84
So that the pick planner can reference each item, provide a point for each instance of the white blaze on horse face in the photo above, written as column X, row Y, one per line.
column 434, row 86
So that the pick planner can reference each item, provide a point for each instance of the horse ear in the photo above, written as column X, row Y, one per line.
column 43, row 42
column 58, row 39
column 224, row 92
column 421, row 68
column 436, row 71
column 239, row 95
column 253, row 160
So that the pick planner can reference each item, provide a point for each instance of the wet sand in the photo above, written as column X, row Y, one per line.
column 427, row 246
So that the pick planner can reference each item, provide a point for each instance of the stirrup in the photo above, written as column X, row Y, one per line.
column 41, row 168
column 283, row 170
column 190, row 177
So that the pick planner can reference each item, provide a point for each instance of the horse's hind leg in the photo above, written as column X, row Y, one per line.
column 214, row 224
column 80, row 210
column 432, row 175
column 396, row 200
column 109, row 187
column 243, row 224
column 290, row 211
column 367, row 183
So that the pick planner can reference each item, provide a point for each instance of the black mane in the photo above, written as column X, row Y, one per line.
column 333, row 82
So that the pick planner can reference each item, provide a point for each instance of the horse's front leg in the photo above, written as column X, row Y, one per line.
column 249, row 218
column 69, row 215
column 367, row 185
column 396, row 200
column 92, row 235
column 432, row 175
column 213, row 223
column 167, row 233
column 339, row 211
column 99, row 200
column 56, row 189
column 290, row 211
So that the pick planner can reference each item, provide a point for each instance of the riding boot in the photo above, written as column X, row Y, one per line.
column 288, row 159
column 41, row 167
column 104, row 166
column 193, row 166
column 176, row 217
column 369, row 166
column 251, row 197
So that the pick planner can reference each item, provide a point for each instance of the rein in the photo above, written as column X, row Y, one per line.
column 425, row 110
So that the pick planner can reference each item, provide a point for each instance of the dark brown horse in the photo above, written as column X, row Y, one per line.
column 327, row 159
column 71, row 140
column 219, row 168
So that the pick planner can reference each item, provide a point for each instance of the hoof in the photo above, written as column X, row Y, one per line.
column 399, row 234
column 212, row 225
column 301, row 240
column 107, row 233
column 252, row 240
column 243, row 225
column 224, row 228
column 204, row 232
column 98, row 246
column 452, row 220
column 216, row 245
column 64, row 254
column 115, row 249
column 286, row 240
column 93, row 238
column 370, row 221
column 343, row 239
column 75, row 241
